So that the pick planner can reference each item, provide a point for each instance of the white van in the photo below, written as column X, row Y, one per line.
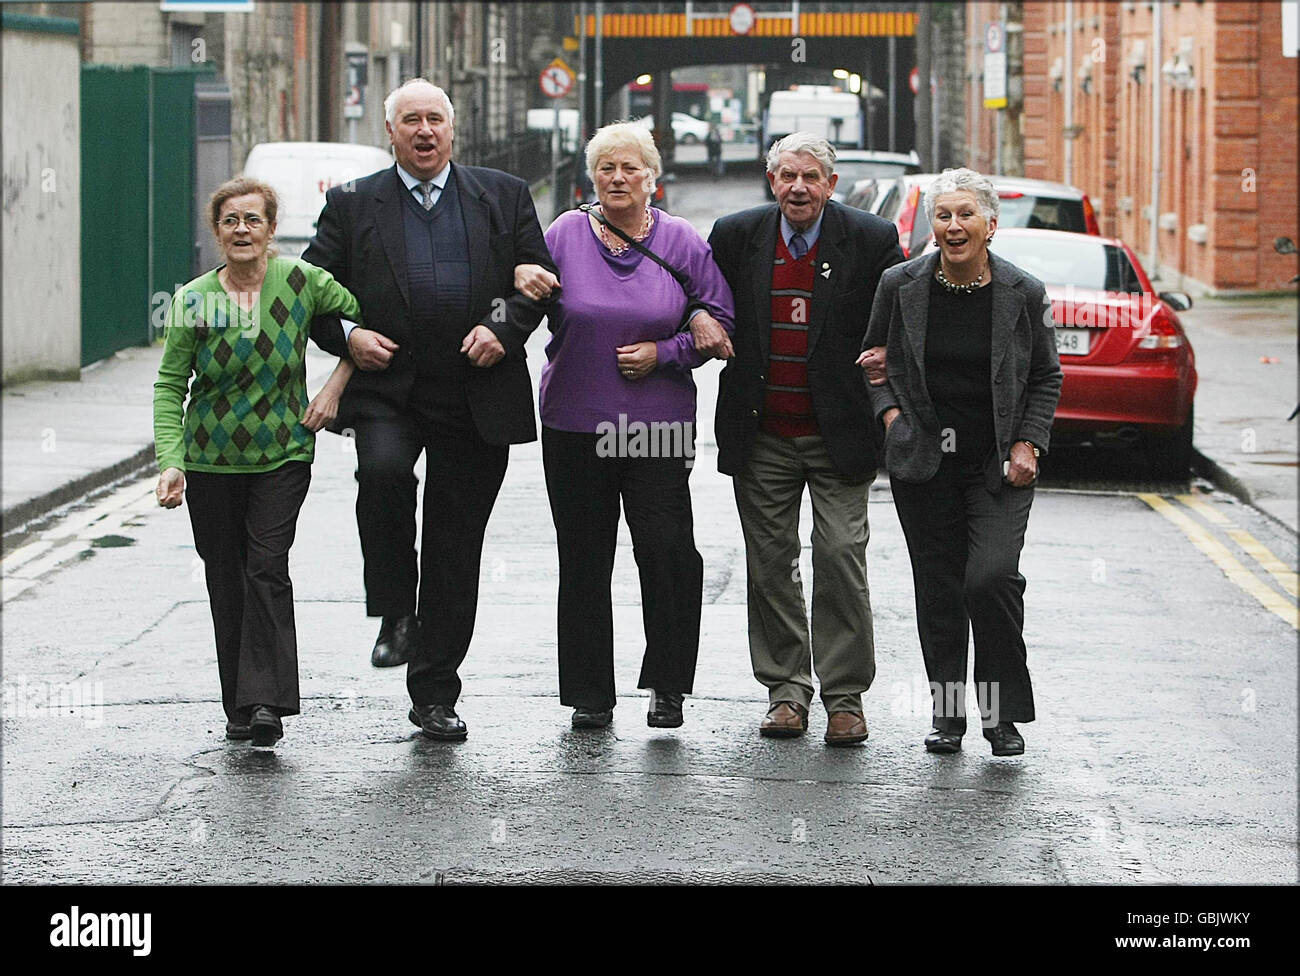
column 836, row 116
column 300, row 173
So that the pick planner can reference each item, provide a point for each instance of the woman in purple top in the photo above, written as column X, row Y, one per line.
column 618, row 423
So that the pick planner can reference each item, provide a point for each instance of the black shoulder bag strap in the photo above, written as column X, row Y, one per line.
column 692, row 303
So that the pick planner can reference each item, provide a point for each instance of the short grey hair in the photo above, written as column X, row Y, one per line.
column 959, row 181
column 624, row 135
column 803, row 142
column 390, row 103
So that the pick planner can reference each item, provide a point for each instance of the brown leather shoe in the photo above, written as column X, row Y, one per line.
column 845, row 728
column 784, row 720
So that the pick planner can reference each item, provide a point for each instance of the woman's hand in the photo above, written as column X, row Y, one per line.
column 322, row 410
column 890, row 415
column 535, row 282
column 872, row 362
column 171, row 488
column 637, row 360
column 1024, row 466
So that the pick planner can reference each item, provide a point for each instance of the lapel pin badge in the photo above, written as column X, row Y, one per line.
column 826, row 271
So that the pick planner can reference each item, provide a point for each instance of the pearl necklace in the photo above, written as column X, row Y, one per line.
column 616, row 249
column 956, row 289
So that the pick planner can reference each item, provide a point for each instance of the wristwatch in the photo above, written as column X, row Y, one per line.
column 1031, row 446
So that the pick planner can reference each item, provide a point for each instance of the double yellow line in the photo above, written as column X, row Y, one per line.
column 1221, row 556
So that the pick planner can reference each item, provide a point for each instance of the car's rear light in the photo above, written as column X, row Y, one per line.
column 659, row 193
column 1163, row 336
column 907, row 217
column 1090, row 217
column 1009, row 195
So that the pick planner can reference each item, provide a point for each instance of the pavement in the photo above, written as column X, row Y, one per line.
column 64, row 440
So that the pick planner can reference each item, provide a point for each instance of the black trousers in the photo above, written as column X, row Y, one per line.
column 463, row 474
column 585, row 491
column 244, row 526
column 965, row 547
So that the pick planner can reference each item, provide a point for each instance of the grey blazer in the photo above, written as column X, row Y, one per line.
column 1025, row 369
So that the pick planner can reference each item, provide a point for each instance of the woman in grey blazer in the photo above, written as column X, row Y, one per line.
column 972, row 384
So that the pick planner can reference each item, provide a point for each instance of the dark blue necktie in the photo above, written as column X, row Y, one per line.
column 798, row 246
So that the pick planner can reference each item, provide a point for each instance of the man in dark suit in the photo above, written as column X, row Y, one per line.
column 793, row 412
column 429, row 249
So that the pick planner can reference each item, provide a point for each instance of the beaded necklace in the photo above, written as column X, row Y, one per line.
column 616, row 249
column 957, row 289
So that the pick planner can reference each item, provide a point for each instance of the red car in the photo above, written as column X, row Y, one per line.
column 1130, row 373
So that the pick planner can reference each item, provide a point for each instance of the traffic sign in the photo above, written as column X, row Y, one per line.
column 556, row 79
column 995, row 66
column 742, row 18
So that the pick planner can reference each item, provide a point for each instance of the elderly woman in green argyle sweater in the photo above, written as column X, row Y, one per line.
column 242, row 448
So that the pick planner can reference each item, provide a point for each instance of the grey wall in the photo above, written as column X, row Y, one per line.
column 42, row 203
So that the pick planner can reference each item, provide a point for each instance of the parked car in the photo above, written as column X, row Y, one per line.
column 688, row 130
column 1037, row 204
column 300, row 173
column 852, row 165
column 1130, row 372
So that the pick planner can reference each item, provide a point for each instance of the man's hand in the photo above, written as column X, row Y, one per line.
column 171, row 488
column 371, row 350
column 711, row 339
column 535, row 282
column 637, row 360
column 1024, row 466
column 890, row 416
column 873, row 363
column 483, row 347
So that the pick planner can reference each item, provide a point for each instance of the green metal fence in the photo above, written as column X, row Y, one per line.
column 137, row 193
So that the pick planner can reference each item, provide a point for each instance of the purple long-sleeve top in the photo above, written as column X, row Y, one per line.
column 606, row 302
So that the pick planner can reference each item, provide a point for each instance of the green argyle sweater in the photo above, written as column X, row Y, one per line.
column 250, row 379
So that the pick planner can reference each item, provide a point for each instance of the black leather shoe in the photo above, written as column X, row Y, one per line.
column 1005, row 739
column 592, row 718
column 943, row 742
column 237, row 732
column 396, row 642
column 665, row 710
column 438, row 722
column 264, row 726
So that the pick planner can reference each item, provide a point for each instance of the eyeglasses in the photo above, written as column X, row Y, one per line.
column 250, row 220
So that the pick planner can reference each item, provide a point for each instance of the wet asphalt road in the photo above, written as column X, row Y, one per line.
column 1165, row 749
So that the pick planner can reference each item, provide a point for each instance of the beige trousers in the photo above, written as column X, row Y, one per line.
column 781, row 648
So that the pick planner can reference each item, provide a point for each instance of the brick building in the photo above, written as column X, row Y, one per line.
column 1180, row 122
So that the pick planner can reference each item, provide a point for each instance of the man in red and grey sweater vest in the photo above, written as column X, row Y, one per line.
column 793, row 412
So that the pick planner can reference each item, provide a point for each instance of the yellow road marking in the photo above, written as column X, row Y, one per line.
column 1211, row 513
column 1257, row 551
column 1272, row 565
column 1219, row 555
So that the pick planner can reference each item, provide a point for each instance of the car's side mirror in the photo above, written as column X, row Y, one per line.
column 668, row 178
column 1177, row 300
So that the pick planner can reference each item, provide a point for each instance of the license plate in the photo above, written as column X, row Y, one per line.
column 1072, row 342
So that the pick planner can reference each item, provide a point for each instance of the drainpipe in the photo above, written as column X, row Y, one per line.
column 1068, row 82
column 1153, row 72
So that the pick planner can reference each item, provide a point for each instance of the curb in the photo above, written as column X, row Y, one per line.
column 1221, row 478
column 34, row 508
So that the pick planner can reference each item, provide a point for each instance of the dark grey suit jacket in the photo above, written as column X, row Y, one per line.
column 854, row 249
column 359, row 239
column 1025, row 369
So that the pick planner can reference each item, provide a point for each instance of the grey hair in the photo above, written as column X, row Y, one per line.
column 390, row 103
column 803, row 142
column 624, row 135
column 959, row 181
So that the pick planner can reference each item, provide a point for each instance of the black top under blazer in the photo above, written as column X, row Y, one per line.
column 1025, row 369
column 856, row 248
column 360, row 240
